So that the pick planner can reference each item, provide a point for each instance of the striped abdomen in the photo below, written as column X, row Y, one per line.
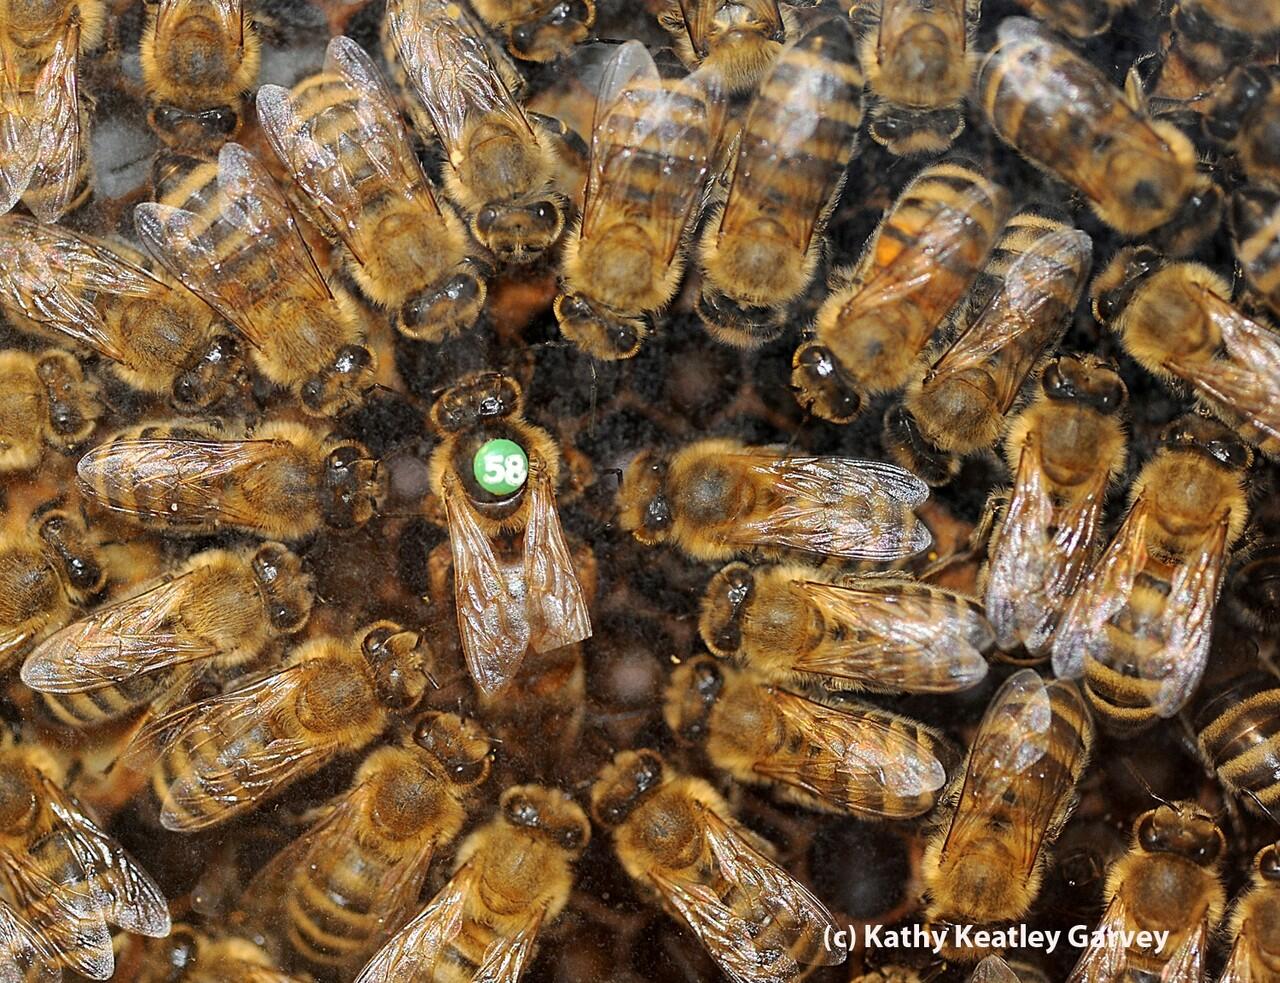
column 1240, row 738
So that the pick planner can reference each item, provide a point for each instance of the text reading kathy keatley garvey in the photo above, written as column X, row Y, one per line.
column 936, row 938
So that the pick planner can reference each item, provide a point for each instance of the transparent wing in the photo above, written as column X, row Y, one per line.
column 1187, row 964
column 1241, row 965
column 1106, row 963
column 556, row 604
column 993, row 969
column 19, row 131
column 25, row 954
column 414, row 952
column 507, row 956
column 1247, row 379
column 59, row 141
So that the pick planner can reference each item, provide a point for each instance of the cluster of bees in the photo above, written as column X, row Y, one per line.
column 456, row 510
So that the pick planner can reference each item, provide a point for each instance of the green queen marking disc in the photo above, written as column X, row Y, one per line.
column 501, row 466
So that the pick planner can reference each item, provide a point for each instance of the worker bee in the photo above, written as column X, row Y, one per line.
column 514, row 579
column 734, row 41
column 1177, row 322
column 199, row 58
column 716, row 499
column 799, row 626
column 1138, row 629
column 1214, row 35
column 227, row 232
column 1079, row 18
column 44, row 399
column 916, row 56
column 760, row 250
column 1019, row 788
column 882, row 312
column 1028, row 293
column 538, row 30
column 1244, row 114
column 49, row 566
column 353, row 877
column 1238, row 733
column 1255, row 951
column 499, row 163
column 188, row 955
column 44, row 121
column 512, row 879
column 1064, row 452
column 1167, row 882
column 62, row 285
column 675, row 836
column 223, row 756
column 286, row 481
column 855, row 759
column 65, row 877
column 1062, row 114
column 1255, row 227
column 222, row 609
column 340, row 135
column 651, row 148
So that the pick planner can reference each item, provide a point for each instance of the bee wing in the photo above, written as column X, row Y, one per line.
column 993, row 969
column 414, row 951
column 507, row 956
column 699, row 15
column 556, row 605
column 851, row 758
column 63, row 915
column 25, row 955
column 1241, row 965
column 783, row 925
column 18, row 134
column 1247, row 379
column 58, row 139
column 13, row 642
column 492, row 618
column 1187, row 964
column 906, row 621
column 836, row 505
column 1106, row 963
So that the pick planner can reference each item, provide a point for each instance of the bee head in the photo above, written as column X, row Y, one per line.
column 1182, row 828
column 553, row 35
column 72, row 402
column 400, row 662
column 1115, row 286
column 209, row 377
column 723, row 605
column 1245, row 89
column 1251, row 208
column 735, row 324
column 692, row 692
column 909, row 132
column 340, row 384
column 461, row 747
column 643, row 507
column 480, row 397
column 601, row 335
column 354, row 484
column 1268, row 863
column 1085, row 379
column 1197, row 218
column 286, row 591
column 193, row 129
column 444, row 309
column 822, row 386
column 73, row 549
column 518, row 233
column 623, row 784
column 914, row 451
column 1210, row 438
column 548, row 813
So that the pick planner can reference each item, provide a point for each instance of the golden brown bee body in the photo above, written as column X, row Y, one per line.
column 735, row 41
column 44, row 399
column 286, row 481
column 1239, row 737
column 222, row 609
column 1178, row 323
column 513, row 877
column 1167, row 882
column 227, row 232
column 1019, row 308
column 855, row 760
column 224, row 756
column 1255, row 227
column 1064, row 452
column 1254, row 924
column 882, row 312
column 916, row 56
column 199, row 58
column 760, row 252
column 798, row 626
column 1138, row 628
column 356, row 874
column 1019, row 788
column 716, row 499
column 1244, row 114
column 538, row 30
column 651, row 154
column 1079, row 18
column 1214, row 35
column 1063, row 115
column 514, row 579
column 189, row 955
column 340, row 135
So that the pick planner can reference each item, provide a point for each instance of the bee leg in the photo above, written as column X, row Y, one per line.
column 979, row 538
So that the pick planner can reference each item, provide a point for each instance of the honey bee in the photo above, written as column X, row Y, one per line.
column 1138, row 628
column 716, row 499
column 1255, row 227
column 856, row 760
column 226, row 231
column 44, row 399
column 199, row 58
column 49, row 566
column 1019, row 788
column 1255, row 953
column 1177, row 322
column 1064, row 452
column 676, row 838
column 1079, row 18
column 1239, row 737
column 651, row 153
column 760, row 250
column 1168, row 881
column 1244, row 114
column 1214, row 35
column 882, row 312
column 1062, row 114
column 514, row 579
column 223, row 756
column 340, row 135
column 354, row 876
column 1029, row 292
column 512, row 879
column 66, row 879
column 916, row 56
column 286, row 481
column 62, row 285
column 735, row 41
column 44, row 121
column 500, row 164
column 799, row 626
column 220, row 610
column 191, row 956
column 538, row 30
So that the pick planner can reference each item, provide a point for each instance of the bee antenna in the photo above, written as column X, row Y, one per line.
column 1145, row 784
